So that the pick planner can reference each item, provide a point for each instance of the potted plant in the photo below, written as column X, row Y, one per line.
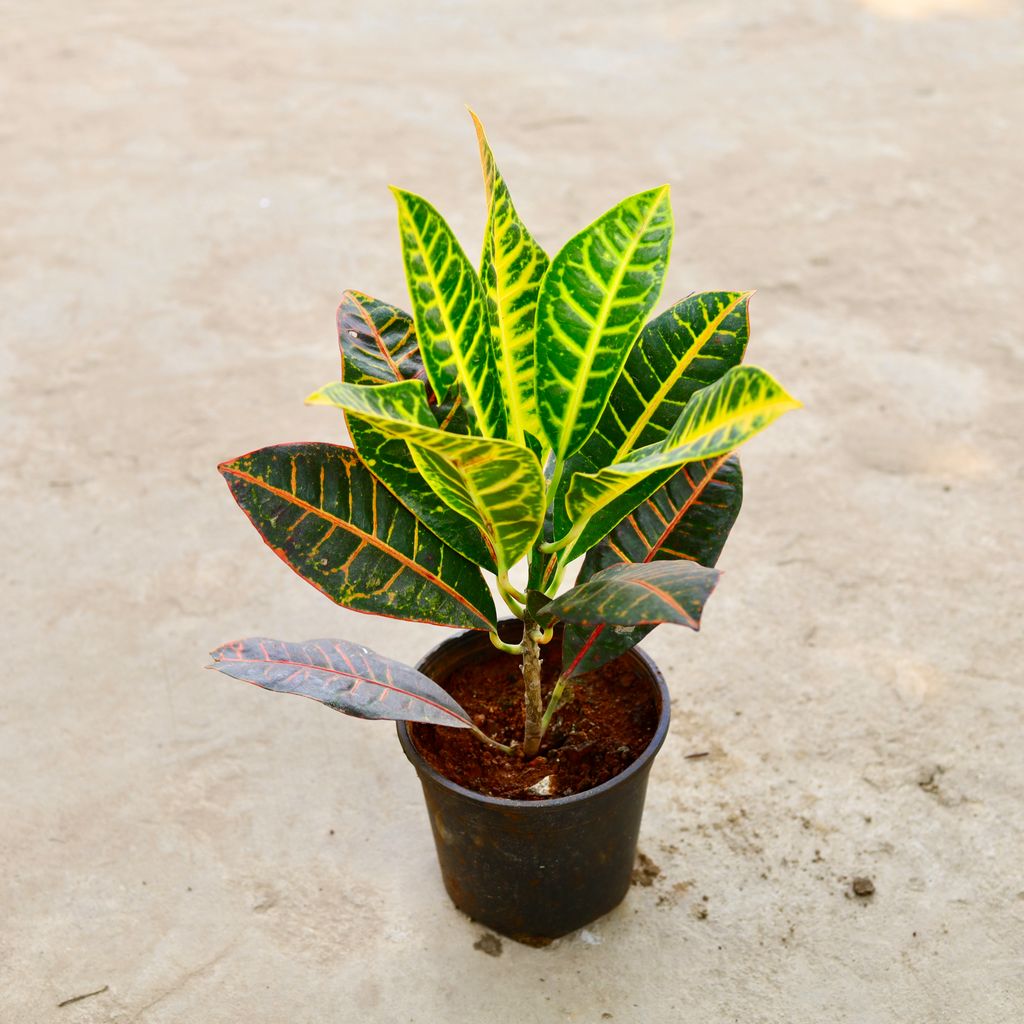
column 525, row 415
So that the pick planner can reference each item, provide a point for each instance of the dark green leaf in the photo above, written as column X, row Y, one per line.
column 378, row 346
column 389, row 459
column 325, row 514
column 637, row 594
column 689, row 517
column 684, row 349
column 716, row 420
column 377, row 341
column 493, row 482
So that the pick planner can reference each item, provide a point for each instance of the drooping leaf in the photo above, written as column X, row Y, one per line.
column 684, row 349
column 451, row 318
column 593, row 299
column 378, row 346
column 511, row 270
column 345, row 676
column 716, row 420
column 636, row 594
column 689, row 517
column 325, row 514
column 377, row 341
column 494, row 483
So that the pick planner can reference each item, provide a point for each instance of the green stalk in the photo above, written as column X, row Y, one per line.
column 553, row 704
column 504, row 748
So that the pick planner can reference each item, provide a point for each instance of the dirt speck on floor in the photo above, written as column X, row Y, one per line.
column 646, row 871
column 862, row 887
column 489, row 943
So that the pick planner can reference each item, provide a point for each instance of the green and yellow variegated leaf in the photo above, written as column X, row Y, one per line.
column 378, row 346
column 402, row 402
column 377, row 341
column 716, row 420
column 511, row 270
column 635, row 595
column 684, row 349
column 593, row 299
column 390, row 459
column 494, row 483
column 451, row 318
column 325, row 515
column 688, row 518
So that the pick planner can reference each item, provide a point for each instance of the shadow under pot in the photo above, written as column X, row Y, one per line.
column 534, row 870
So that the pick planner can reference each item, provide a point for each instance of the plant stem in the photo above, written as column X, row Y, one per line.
column 502, row 646
column 556, row 479
column 480, row 734
column 513, row 599
column 533, row 703
column 553, row 704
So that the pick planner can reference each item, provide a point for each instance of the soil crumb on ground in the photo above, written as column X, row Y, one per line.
column 863, row 887
column 646, row 871
column 488, row 943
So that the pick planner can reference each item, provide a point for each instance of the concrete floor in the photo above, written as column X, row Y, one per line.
column 185, row 195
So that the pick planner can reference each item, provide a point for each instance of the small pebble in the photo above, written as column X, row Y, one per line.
column 545, row 787
column 863, row 887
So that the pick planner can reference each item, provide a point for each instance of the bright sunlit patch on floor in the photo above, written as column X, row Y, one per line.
column 912, row 9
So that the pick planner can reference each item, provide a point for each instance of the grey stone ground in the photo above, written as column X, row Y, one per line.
column 185, row 195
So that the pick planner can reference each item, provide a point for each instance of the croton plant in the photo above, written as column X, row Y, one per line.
column 527, row 412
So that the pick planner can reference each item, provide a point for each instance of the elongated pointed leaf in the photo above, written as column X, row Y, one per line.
column 378, row 346
column 345, row 676
column 593, row 299
column 324, row 513
column 510, row 270
column 684, row 349
column 633, row 595
column 494, row 483
column 377, row 341
column 689, row 517
column 390, row 459
column 451, row 319
column 716, row 420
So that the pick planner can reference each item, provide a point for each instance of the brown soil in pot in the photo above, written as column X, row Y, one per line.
column 600, row 733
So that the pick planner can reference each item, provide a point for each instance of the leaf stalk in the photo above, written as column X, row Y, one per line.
column 502, row 646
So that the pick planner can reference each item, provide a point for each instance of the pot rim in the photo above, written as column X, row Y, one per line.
column 647, row 755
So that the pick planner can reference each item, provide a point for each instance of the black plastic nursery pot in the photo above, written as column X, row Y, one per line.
column 535, row 870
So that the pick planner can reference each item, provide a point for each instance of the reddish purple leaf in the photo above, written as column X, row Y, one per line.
column 344, row 676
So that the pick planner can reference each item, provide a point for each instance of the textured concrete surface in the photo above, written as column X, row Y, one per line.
column 186, row 193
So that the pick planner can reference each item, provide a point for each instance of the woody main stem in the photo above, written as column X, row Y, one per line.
column 534, row 705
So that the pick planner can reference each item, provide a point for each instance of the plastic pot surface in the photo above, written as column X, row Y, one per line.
column 534, row 870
